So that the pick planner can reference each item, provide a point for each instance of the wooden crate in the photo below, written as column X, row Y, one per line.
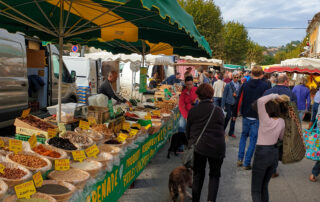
column 101, row 114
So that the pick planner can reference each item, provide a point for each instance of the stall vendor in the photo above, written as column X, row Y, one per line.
column 106, row 87
column 154, row 81
column 173, row 79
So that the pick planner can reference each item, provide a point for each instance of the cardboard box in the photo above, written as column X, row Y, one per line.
column 35, row 58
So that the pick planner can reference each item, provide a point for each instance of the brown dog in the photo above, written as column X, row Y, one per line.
column 179, row 179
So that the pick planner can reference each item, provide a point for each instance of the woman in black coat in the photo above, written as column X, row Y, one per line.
column 211, row 145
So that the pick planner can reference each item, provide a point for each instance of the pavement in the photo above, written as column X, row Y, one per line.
column 292, row 185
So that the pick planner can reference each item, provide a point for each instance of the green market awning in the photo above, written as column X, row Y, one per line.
column 234, row 67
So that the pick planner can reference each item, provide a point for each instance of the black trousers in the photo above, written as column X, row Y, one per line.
column 264, row 165
column 199, row 171
column 229, row 109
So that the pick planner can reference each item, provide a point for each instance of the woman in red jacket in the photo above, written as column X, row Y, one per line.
column 187, row 99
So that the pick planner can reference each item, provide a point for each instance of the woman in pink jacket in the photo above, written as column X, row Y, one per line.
column 187, row 99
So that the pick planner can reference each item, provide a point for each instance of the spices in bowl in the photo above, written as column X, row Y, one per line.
column 13, row 173
column 40, row 149
column 62, row 143
column 28, row 160
column 112, row 142
column 85, row 165
column 77, row 138
column 54, row 189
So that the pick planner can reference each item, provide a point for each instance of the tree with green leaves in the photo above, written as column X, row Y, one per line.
column 235, row 43
column 254, row 54
column 207, row 18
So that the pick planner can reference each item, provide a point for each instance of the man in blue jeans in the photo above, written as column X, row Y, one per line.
column 249, row 92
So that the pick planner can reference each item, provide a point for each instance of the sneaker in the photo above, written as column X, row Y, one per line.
column 239, row 163
column 247, row 167
column 274, row 175
column 312, row 178
column 233, row 136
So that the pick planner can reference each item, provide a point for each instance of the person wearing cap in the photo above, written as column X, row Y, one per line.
column 173, row 79
column 188, row 72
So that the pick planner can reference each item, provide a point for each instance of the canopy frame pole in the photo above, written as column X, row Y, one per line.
column 46, row 17
column 60, row 59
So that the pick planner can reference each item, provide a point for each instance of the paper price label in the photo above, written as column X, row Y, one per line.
column 156, row 112
column 52, row 133
column 32, row 141
column 79, row 155
column 126, row 126
column 92, row 121
column 25, row 190
column 136, row 125
column 92, row 151
column 1, row 142
column 84, row 125
column 147, row 117
column 62, row 164
column 133, row 132
column 62, row 127
column 15, row 145
column 25, row 113
column 147, row 127
column 38, row 180
column 122, row 137
column 2, row 167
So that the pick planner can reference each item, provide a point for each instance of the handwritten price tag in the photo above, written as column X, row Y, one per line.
column 92, row 151
column 25, row 113
column 2, row 167
column 15, row 145
column 126, row 126
column 133, row 132
column 25, row 190
column 38, row 180
column 92, row 121
column 1, row 142
column 122, row 137
column 62, row 164
column 52, row 133
column 79, row 155
column 62, row 127
column 84, row 125
column 136, row 125
column 147, row 117
column 156, row 112
column 33, row 141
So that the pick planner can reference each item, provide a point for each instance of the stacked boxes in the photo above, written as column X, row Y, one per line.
column 83, row 94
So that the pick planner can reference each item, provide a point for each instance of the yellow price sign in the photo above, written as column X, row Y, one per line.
column 133, row 132
column 38, row 180
column 25, row 190
column 156, row 112
column 147, row 117
column 52, row 132
column 62, row 164
column 92, row 121
column 92, row 151
column 136, row 125
column 62, row 127
column 2, row 167
column 32, row 141
column 147, row 127
column 126, row 126
column 122, row 137
column 84, row 125
column 1, row 142
column 79, row 155
column 25, row 113
column 15, row 145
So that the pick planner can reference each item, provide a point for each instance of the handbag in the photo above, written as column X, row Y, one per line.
column 312, row 142
column 188, row 156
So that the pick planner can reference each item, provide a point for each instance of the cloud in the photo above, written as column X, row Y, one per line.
column 271, row 13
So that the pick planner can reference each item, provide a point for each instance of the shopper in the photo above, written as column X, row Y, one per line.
column 173, row 79
column 303, row 97
column 315, row 172
column 271, row 128
column 154, row 81
column 187, row 100
column 249, row 92
column 218, row 88
column 315, row 106
column 188, row 72
column 227, row 77
column 211, row 146
column 229, row 100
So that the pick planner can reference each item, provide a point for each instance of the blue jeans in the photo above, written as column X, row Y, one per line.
column 249, row 129
column 314, row 112
column 182, row 125
column 301, row 114
column 217, row 101
column 316, row 169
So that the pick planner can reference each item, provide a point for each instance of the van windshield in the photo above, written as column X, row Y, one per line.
column 66, row 77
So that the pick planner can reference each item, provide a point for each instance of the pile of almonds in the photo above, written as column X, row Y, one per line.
column 13, row 173
column 28, row 160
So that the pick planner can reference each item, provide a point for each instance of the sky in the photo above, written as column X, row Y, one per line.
column 271, row 13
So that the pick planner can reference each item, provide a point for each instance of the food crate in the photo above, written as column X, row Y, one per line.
column 41, row 140
column 101, row 114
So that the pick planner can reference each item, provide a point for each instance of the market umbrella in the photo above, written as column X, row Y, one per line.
column 301, row 65
column 128, row 20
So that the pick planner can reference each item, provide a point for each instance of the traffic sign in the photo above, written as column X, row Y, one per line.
column 75, row 48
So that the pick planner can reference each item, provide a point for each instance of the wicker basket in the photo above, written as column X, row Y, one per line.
column 52, row 148
column 25, row 146
column 82, row 146
column 3, row 189
column 47, row 197
column 61, row 197
column 13, row 182
column 93, row 172
column 74, row 176
column 42, row 169
column 101, row 114
column 109, row 149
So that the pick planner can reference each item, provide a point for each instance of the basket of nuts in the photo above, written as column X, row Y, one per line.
column 14, row 174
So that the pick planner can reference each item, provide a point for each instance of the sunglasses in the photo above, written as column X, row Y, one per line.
column 235, row 77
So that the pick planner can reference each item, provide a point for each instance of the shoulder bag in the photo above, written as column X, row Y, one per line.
column 189, row 154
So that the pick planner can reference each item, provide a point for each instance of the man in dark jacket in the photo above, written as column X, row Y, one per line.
column 249, row 92
column 106, row 87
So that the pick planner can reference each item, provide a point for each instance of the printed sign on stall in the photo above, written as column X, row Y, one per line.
column 25, row 190
column 38, row 180
column 15, row 145
column 79, row 155
column 62, row 164
column 92, row 151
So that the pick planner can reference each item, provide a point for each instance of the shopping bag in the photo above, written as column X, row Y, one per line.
column 312, row 142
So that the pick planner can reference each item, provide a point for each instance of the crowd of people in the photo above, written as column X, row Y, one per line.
column 230, row 95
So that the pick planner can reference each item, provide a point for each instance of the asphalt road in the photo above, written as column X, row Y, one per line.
column 292, row 185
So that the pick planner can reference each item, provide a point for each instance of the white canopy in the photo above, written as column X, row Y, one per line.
column 305, row 63
column 191, row 59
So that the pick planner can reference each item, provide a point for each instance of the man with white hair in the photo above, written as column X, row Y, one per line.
column 228, row 102
column 303, row 97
